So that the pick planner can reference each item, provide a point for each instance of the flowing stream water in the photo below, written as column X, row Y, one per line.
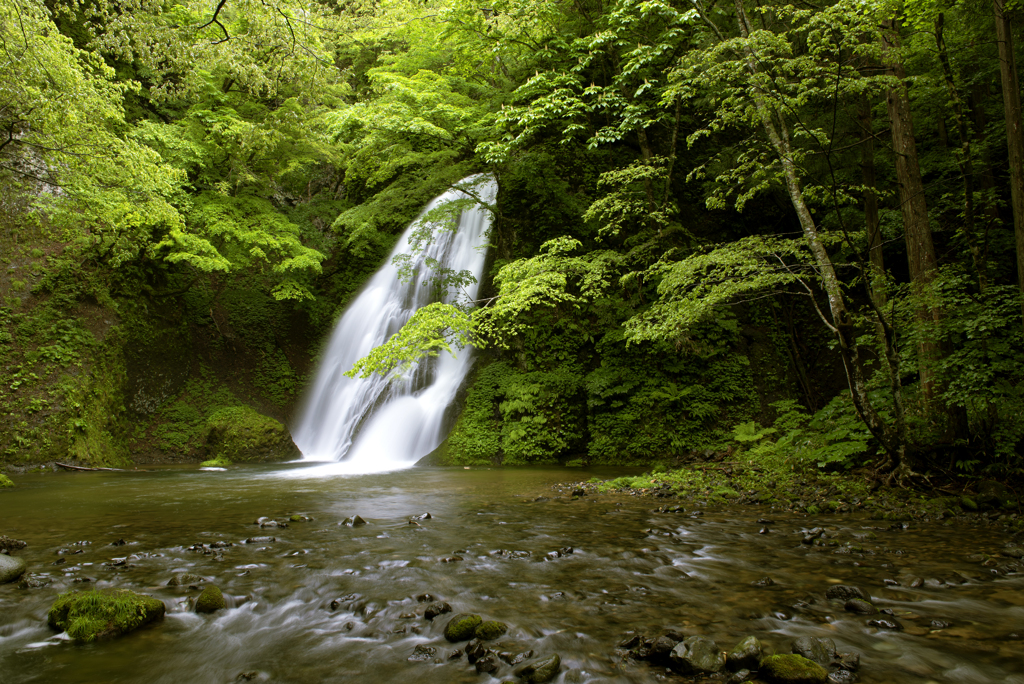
column 631, row 569
column 376, row 424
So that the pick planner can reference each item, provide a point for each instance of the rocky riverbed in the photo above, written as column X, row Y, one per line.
column 348, row 578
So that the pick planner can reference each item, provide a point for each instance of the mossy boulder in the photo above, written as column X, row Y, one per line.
column 792, row 669
column 11, row 568
column 211, row 600
column 102, row 614
column 242, row 435
column 490, row 629
column 540, row 670
column 462, row 627
column 5, row 482
column 219, row 462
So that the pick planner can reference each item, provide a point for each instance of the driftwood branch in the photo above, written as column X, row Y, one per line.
column 71, row 467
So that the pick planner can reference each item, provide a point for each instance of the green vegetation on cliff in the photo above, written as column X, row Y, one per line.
column 719, row 229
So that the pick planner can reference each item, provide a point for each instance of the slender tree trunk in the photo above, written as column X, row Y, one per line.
column 914, row 207
column 867, row 167
column 891, row 437
column 1014, row 134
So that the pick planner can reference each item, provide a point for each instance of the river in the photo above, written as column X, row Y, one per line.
column 630, row 569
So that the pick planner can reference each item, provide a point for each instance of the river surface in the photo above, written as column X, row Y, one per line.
column 631, row 570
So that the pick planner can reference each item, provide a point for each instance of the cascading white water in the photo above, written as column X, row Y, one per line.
column 375, row 424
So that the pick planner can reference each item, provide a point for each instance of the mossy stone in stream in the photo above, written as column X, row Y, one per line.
column 462, row 627
column 211, row 600
column 792, row 669
column 5, row 482
column 90, row 615
column 219, row 462
column 11, row 568
column 242, row 435
column 540, row 671
column 490, row 629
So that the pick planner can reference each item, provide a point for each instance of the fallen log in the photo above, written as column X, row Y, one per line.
column 72, row 467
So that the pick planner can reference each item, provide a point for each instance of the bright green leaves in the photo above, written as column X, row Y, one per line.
column 697, row 287
column 244, row 233
column 432, row 329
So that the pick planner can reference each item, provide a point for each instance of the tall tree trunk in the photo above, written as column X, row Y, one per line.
column 867, row 167
column 914, row 207
column 1014, row 134
column 893, row 438
column 966, row 159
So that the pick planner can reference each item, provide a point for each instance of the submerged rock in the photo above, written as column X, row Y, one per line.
column 792, row 669
column 422, row 653
column 354, row 521
column 541, row 670
column 184, row 579
column 211, row 600
column 11, row 568
column 90, row 615
column 462, row 627
column 697, row 655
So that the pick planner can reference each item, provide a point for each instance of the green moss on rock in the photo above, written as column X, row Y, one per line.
column 242, row 435
column 219, row 462
column 90, row 615
column 792, row 669
column 490, row 629
column 462, row 627
column 211, row 600
column 5, row 482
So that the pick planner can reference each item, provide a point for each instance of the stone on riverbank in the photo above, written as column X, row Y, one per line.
column 11, row 568
column 211, row 600
column 241, row 434
column 107, row 613
column 697, row 655
column 540, row 671
column 792, row 669
column 462, row 627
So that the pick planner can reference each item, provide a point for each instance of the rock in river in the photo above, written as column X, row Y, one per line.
column 90, row 615
column 7, row 544
column 845, row 592
column 822, row 651
column 697, row 655
column 211, row 600
column 462, row 627
column 436, row 608
column 860, row 606
column 792, row 669
column 540, row 671
column 11, row 568
column 746, row 655
column 491, row 629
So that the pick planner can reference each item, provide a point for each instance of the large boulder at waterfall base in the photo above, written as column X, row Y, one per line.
column 11, row 568
column 242, row 435
column 462, row 627
column 90, row 615
column 792, row 669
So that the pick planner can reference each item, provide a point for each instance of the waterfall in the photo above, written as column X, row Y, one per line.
column 375, row 424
